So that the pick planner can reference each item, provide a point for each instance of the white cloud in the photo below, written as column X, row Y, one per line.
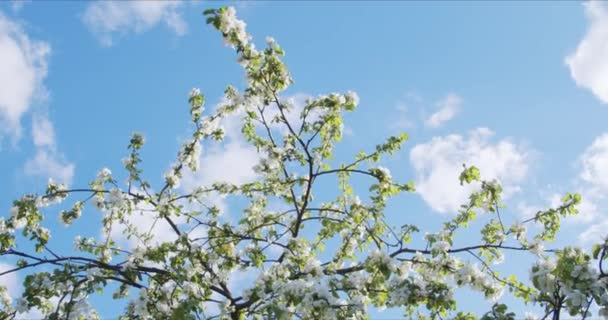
column 525, row 210
column 589, row 62
column 594, row 161
column 448, row 108
column 596, row 233
column 108, row 18
column 230, row 161
column 49, row 164
column 47, row 161
column 438, row 163
column 594, row 187
column 23, row 67
column 9, row 281
column 402, row 120
column 43, row 132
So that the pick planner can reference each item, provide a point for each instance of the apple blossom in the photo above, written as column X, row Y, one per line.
column 309, row 251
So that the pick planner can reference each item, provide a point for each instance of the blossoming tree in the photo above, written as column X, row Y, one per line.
column 348, row 259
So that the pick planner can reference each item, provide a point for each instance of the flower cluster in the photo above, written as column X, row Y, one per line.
column 310, row 252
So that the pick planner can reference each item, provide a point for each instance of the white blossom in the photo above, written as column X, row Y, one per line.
column 537, row 247
column 5, row 298
column 352, row 96
column 172, row 179
column 104, row 174
column 519, row 230
column 386, row 173
column 4, row 227
column 270, row 41
column 195, row 92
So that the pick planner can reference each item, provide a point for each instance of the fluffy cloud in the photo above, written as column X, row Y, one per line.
column 43, row 132
column 595, row 233
column 48, row 164
column 589, row 62
column 402, row 118
column 23, row 67
column 594, row 187
column 47, row 161
column 448, row 108
column 9, row 281
column 594, row 164
column 230, row 161
column 438, row 164
column 108, row 18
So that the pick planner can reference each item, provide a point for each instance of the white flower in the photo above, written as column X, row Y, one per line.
column 98, row 201
column 500, row 258
column 44, row 232
column 208, row 125
column 270, row 41
column 42, row 202
column 127, row 161
column 195, row 92
column 537, row 247
column 92, row 273
column 577, row 298
column 500, row 236
column 352, row 96
column 19, row 223
column 230, row 24
column 313, row 266
column 172, row 179
column 530, row 316
column 116, row 197
column 3, row 227
column 404, row 268
column 104, row 174
column 5, row 298
column 519, row 230
column 578, row 269
column 106, row 255
column 14, row 211
column 77, row 243
column 163, row 308
column 386, row 173
column 442, row 246
column 354, row 201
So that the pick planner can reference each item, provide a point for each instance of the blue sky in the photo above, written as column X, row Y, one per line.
column 518, row 89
